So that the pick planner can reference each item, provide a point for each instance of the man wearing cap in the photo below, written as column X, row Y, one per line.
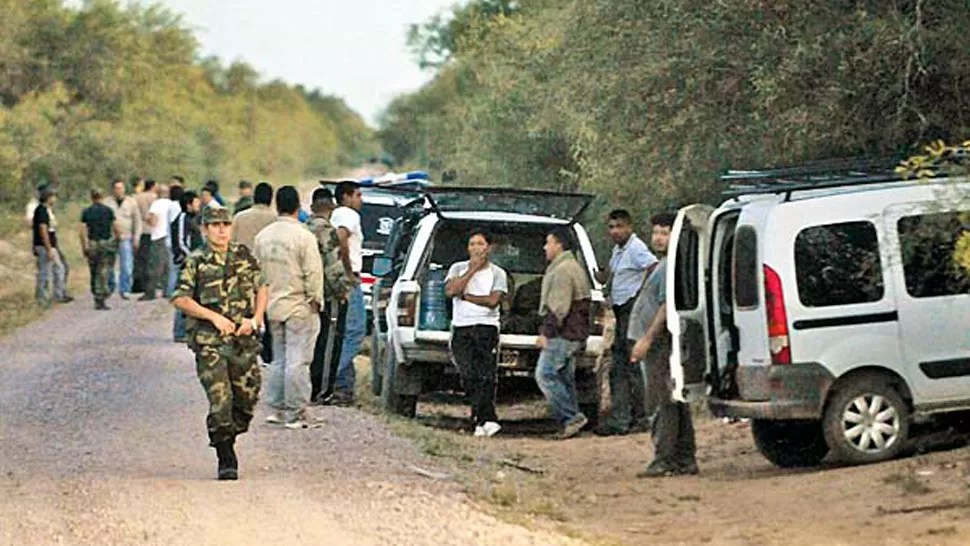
column 99, row 242
column 51, row 264
column 224, row 294
column 336, row 287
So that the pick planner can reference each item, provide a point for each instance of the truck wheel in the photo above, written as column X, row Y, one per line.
column 790, row 444
column 866, row 420
column 405, row 405
column 378, row 356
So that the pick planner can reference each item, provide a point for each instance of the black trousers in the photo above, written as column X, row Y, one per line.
column 142, row 257
column 326, row 352
column 627, row 395
column 673, row 425
column 474, row 350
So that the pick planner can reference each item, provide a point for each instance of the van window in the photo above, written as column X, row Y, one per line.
column 685, row 288
column 927, row 243
column 746, row 268
column 838, row 264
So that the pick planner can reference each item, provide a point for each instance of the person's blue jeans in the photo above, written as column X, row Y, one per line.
column 354, row 331
column 126, row 265
column 556, row 376
column 50, row 271
column 173, row 275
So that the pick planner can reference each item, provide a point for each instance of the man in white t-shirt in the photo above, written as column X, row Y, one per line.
column 160, row 254
column 477, row 287
column 346, row 220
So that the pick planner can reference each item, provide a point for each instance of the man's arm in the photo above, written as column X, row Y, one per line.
column 192, row 308
column 313, row 266
column 45, row 237
column 136, row 226
column 659, row 322
column 262, row 301
column 83, row 236
column 491, row 301
column 344, row 235
column 152, row 219
column 457, row 284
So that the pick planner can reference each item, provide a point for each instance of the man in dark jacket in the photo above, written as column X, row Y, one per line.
column 186, row 238
column 565, row 311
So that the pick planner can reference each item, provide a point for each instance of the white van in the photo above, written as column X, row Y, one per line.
column 823, row 303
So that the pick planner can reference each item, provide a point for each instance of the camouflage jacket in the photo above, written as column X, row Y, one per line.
column 336, row 283
column 224, row 283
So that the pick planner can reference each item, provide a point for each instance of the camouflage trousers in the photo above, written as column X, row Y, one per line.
column 101, row 261
column 230, row 376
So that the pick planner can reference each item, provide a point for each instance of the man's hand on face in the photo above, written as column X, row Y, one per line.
column 477, row 262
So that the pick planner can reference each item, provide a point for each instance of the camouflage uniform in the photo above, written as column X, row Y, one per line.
column 336, row 283
column 336, row 286
column 101, row 259
column 226, row 365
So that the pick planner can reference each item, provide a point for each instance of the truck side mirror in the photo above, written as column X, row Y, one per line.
column 382, row 266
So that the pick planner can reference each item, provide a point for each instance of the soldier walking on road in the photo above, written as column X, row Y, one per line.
column 673, row 427
column 99, row 242
column 223, row 292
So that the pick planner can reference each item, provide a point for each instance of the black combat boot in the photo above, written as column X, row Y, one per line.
column 100, row 306
column 228, row 465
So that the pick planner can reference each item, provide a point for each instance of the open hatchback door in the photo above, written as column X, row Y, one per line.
column 562, row 206
column 687, row 305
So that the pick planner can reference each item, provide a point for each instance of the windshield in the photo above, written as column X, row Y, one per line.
column 563, row 206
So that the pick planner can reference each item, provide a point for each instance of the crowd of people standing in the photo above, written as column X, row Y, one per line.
column 285, row 285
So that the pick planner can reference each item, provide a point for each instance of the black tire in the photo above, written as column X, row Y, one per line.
column 871, row 402
column 790, row 444
column 404, row 405
column 377, row 364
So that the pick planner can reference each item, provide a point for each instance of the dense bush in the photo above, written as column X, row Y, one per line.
column 107, row 91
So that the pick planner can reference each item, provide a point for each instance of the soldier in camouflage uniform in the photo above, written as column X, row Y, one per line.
column 224, row 294
column 99, row 241
column 336, row 287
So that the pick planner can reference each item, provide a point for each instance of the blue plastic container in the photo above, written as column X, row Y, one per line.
column 434, row 302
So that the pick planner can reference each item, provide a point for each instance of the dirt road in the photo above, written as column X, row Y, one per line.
column 102, row 441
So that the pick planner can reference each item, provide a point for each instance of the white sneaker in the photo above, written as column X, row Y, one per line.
column 305, row 419
column 487, row 430
column 275, row 418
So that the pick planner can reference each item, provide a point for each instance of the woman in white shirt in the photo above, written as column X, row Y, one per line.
column 477, row 287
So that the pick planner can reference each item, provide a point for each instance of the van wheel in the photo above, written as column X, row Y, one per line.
column 866, row 420
column 790, row 444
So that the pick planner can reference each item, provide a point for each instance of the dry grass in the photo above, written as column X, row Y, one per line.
column 18, row 268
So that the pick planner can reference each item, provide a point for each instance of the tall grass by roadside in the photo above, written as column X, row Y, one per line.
column 17, row 305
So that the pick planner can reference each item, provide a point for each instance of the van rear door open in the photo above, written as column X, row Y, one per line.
column 687, row 317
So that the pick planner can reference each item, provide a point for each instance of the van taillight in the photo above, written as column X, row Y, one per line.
column 778, row 341
column 406, row 309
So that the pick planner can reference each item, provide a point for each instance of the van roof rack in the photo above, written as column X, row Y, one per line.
column 830, row 173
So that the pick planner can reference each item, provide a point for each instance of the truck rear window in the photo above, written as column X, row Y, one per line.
column 746, row 268
column 838, row 264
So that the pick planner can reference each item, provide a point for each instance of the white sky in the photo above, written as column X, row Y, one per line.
column 355, row 49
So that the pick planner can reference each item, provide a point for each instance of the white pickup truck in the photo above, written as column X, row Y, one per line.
column 410, row 353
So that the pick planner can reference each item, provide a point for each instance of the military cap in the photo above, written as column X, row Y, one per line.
column 216, row 215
